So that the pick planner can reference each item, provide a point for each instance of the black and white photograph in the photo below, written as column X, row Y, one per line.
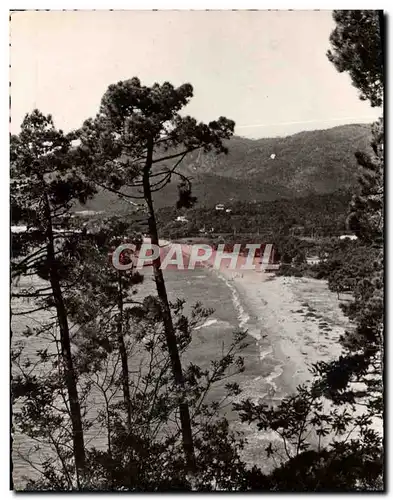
column 197, row 248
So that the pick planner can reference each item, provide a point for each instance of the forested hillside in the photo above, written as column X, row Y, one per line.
column 320, row 161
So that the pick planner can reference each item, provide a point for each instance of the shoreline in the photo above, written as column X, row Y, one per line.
column 294, row 321
column 251, row 300
column 294, row 339
column 290, row 324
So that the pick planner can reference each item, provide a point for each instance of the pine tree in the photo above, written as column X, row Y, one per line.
column 361, row 54
column 44, row 183
column 357, row 47
column 137, row 131
column 366, row 209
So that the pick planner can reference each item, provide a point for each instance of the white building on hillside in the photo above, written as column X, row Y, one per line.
column 348, row 237
column 181, row 218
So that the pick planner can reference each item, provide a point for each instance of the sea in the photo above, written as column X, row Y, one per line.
column 209, row 341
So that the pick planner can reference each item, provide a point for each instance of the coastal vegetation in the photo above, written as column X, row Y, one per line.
column 355, row 379
column 96, row 353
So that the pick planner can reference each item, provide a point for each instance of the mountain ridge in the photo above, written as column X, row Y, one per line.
column 308, row 162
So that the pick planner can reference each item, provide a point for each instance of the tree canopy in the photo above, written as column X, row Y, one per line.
column 357, row 48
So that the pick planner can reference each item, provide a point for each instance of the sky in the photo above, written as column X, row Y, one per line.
column 267, row 70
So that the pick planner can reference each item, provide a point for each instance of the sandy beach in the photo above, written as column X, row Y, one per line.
column 303, row 322
column 301, row 317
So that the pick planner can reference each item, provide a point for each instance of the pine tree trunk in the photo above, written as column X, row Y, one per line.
column 177, row 371
column 124, row 359
column 70, row 376
column 125, row 380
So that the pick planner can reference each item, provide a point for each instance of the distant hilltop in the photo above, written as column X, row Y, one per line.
column 318, row 161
